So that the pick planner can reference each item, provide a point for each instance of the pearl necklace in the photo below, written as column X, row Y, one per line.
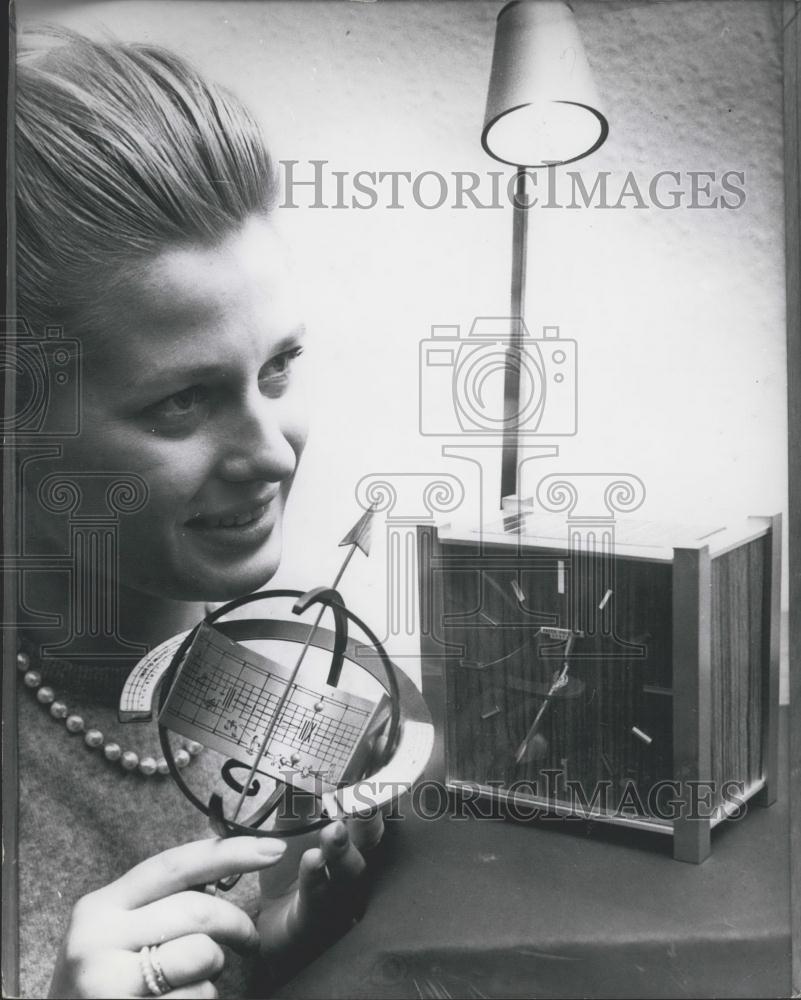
column 129, row 760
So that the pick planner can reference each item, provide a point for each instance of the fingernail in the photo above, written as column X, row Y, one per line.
column 340, row 833
column 270, row 846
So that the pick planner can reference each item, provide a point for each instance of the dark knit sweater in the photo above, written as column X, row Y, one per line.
column 84, row 821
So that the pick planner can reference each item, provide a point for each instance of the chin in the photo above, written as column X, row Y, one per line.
column 230, row 589
column 199, row 580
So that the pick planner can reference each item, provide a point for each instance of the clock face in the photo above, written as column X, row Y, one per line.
column 563, row 689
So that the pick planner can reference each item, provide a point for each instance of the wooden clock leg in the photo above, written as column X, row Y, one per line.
column 692, row 840
column 771, row 623
column 692, row 702
column 432, row 663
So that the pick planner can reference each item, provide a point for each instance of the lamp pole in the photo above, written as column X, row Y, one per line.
column 514, row 353
column 542, row 109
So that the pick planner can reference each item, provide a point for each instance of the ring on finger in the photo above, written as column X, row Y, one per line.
column 161, row 980
column 156, row 982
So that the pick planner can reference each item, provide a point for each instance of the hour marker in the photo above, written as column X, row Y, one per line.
column 604, row 600
column 656, row 689
column 563, row 634
column 560, row 576
column 517, row 591
column 489, row 703
column 641, row 735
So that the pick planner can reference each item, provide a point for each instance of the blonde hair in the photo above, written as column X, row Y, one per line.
column 121, row 151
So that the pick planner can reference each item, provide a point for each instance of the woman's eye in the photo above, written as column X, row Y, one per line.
column 180, row 409
column 274, row 376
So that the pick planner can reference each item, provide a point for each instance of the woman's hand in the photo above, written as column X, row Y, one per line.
column 153, row 904
column 328, row 896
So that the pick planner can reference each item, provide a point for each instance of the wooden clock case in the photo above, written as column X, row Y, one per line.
column 670, row 700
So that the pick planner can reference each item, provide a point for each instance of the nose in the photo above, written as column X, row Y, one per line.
column 256, row 445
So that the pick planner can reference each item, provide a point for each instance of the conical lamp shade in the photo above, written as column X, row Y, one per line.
column 542, row 106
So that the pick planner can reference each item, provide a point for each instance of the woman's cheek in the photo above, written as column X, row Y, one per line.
column 174, row 470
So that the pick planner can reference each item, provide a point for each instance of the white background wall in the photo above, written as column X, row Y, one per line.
column 679, row 315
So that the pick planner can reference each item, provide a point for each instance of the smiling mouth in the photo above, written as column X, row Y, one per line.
column 209, row 523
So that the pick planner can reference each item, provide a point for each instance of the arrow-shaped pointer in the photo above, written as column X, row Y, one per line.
column 357, row 538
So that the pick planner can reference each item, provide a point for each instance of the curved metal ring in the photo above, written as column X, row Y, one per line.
column 251, row 628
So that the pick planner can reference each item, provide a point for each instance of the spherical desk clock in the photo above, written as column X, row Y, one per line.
column 299, row 713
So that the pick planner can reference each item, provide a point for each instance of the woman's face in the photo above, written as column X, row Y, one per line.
column 192, row 382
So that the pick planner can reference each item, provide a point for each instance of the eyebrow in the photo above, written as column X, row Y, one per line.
column 166, row 376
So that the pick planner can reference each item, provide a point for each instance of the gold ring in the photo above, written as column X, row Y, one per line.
column 156, row 982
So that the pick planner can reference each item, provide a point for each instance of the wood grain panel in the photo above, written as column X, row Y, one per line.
column 737, row 664
column 619, row 676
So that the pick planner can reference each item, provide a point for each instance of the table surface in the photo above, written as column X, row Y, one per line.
column 564, row 908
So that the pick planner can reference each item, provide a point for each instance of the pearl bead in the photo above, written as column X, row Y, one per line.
column 147, row 765
column 74, row 724
column 295, row 758
column 318, row 706
column 93, row 738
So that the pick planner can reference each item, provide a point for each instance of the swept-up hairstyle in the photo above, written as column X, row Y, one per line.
column 121, row 151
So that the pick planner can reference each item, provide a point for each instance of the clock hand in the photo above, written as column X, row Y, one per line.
column 560, row 682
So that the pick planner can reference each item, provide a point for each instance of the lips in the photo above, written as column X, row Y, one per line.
column 211, row 521
column 236, row 518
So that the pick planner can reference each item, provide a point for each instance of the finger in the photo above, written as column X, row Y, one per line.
column 343, row 860
column 288, row 923
column 311, row 870
column 190, row 959
column 119, row 973
column 313, row 883
column 188, row 913
column 191, row 864
column 317, row 901
column 194, row 991
column 366, row 831
column 108, row 973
